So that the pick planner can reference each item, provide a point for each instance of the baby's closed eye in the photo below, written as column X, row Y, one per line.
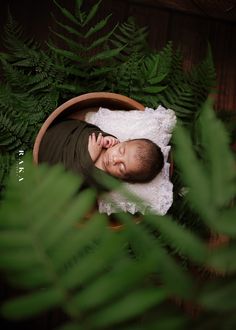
column 122, row 168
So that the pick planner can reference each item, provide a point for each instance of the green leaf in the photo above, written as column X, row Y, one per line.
column 68, row 28
column 72, row 70
column 221, row 169
column 222, row 259
column 78, row 240
column 101, row 40
column 78, row 209
column 32, row 304
column 122, row 277
column 149, row 247
column 157, row 79
column 54, row 183
column 92, row 13
column 71, row 88
column 18, row 260
column 154, row 89
column 78, row 4
column 71, row 326
column 194, row 175
column 65, row 53
column 151, row 65
column 72, row 44
column 31, row 279
column 99, row 26
column 219, row 296
column 225, row 222
column 178, row 236
column 100, row 71
column 121, row 39
column 91, row 267
column 14, row 238
column 66, row 13
column 130, row 306
column 105, row 54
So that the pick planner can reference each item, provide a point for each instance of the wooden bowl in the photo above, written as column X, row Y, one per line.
column 77, row 108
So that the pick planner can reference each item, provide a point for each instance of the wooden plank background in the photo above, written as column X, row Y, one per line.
column 188, row 27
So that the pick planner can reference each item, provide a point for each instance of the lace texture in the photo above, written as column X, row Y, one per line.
column 157, row 125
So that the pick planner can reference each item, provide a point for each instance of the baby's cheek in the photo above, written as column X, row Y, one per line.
column 111, row 170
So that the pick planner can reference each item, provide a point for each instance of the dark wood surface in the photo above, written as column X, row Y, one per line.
column 188, row 23
column 222, row 9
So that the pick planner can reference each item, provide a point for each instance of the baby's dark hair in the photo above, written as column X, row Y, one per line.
column 151, row 160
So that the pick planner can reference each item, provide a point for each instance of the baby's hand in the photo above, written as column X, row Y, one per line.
column 109, row 141
column 95, row 146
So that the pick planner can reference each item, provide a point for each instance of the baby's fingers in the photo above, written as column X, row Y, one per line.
column 100, row 139
column 93, row 138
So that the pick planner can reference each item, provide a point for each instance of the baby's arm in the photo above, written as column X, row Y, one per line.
column 95, row 146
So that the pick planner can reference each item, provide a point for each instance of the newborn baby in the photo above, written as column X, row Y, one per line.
column 138, row 160
column 85, row 149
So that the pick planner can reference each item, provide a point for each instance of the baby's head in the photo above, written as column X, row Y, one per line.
column 138, row 160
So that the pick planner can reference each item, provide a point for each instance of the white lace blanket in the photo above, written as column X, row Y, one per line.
column 156, row 125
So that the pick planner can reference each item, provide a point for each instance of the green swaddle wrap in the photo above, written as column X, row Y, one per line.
column 66, row 142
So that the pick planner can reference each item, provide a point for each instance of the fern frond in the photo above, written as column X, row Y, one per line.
column 132, row 38
column 15, row 39
column 186, row 92
column 90, row 15
column 6, row 161
column 106, row 54
column 149, row 248
column 96, row 43
column 66, row 53
column 176, row 235
column 85, row 50
column 71, row 43
column 66, row 13
column 139, row 300
column 213, row 186
column 11, row 134
column 126, row 77
column 202, row 78
column 144, row 77
column 221, row 165
column 68, row 28
column 14, row 76
column 99, row 26
column 70, row 261
column 34, row 67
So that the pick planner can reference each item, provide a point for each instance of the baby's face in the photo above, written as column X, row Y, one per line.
column 121, row 159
